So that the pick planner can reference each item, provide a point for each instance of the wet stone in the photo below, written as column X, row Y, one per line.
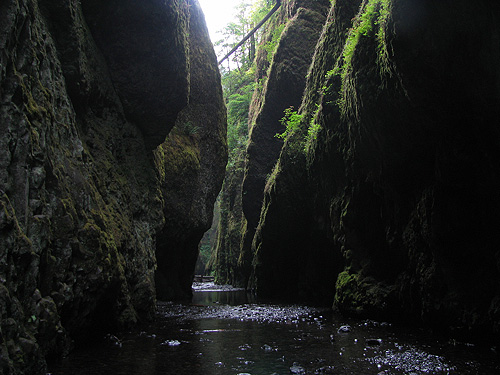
column 113, row 340
column 325, row 370
column 344, row 329
column 267, row 348
column 171, row 343
column 297, row 369
column 266, row 339
column 412, row 360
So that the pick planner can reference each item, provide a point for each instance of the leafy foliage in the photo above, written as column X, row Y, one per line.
column 313, row 130
column 294, row 123
column 371, row 21
column 291, row 121
column 270, row 46
column 238, row 79
column 240, row 83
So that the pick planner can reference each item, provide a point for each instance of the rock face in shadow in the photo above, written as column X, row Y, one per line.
column 192, row 163
column 225, row 259
column 397, row 191
column 146, row 49
column 87, row 92
column 301, row 23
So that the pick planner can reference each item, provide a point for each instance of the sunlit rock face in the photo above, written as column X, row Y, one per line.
column 392, row 208
column 87, row 92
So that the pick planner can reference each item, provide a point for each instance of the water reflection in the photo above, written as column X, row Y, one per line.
column 230, row 297
column 226, row 332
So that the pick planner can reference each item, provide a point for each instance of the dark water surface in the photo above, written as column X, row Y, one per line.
column 224, row 331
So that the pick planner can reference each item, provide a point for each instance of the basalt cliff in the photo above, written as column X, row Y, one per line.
column 384, row 200
column 112, row 151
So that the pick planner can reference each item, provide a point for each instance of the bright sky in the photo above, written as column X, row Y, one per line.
column 218, row 13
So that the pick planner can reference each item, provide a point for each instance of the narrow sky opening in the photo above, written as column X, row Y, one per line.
column 218, row 13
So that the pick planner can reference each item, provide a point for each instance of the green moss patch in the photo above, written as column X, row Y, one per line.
column 371, row 22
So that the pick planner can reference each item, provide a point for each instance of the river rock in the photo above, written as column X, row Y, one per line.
column 267, row 348
column 297, row 369
column 344, row 329
column 373, row 342
column 325, row 370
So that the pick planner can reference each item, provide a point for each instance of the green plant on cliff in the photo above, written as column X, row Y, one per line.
column 291, row 121
column 371, row 22
column 305, row 132
column 239, row 83
column 238, row 80
column 270, row 47
column 188, row 128
column 312, row 130
column 238, row 89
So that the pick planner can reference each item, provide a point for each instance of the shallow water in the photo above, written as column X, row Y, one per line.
column 224, row 331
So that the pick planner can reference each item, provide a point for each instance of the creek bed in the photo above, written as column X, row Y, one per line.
column 224, row 331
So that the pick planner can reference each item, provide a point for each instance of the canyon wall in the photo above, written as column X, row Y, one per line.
column 385, row 200
column 88, row 92
column 192, row 162
column 281, row 64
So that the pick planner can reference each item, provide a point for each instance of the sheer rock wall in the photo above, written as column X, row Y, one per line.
column 192, row 162
column 282, row 88
column 392, row 211
column 87, row 91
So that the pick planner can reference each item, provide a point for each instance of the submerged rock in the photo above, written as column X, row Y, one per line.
column 373, row 343
column 325, row 370
column 267, row 348
column 171, row 343
column 113, row 340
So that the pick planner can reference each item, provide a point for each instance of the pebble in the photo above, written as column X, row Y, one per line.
column 325, row 370
column 344, row 329
column 171, row 343
column 267, row 348
column 296, row 369
column 112, row 339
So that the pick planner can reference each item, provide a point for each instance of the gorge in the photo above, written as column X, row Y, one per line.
column 380, row 199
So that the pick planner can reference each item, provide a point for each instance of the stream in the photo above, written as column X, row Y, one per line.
column 226, row 331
